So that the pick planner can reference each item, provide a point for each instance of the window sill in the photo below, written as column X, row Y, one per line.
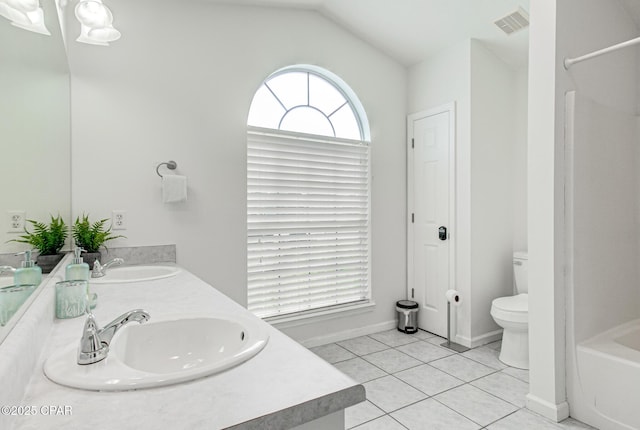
column 286, row 321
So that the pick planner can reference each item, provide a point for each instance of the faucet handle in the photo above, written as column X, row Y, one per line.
column 91, row 349
column 97, row 271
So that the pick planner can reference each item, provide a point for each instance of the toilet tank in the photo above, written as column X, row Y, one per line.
column 520, row 272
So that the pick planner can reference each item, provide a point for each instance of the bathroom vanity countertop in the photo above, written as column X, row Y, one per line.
column 285, row 385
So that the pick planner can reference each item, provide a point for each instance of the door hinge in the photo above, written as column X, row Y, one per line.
column 412, row 293
column 413, row 218
column 413, row 143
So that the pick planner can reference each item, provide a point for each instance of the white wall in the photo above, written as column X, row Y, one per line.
column 559, row 29
column 493, row 138
column 520, row 207
column 178, row 86
column 605, row 222
column 483, row 88
column 546, row 302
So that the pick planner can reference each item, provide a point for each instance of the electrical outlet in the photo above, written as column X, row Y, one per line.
column 119, row 220
column 15, row 221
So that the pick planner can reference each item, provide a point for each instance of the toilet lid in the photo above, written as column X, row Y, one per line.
column 519, row 303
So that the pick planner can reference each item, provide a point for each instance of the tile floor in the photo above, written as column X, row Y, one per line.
column 413, row 383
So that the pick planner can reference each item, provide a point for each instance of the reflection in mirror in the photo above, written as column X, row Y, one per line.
column 11, row 298
column 35, row 143
column 16, row 288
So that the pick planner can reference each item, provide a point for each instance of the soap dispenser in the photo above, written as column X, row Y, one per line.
column 77, row 270
column 29, row 273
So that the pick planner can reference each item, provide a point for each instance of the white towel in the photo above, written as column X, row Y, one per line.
column 174, row 188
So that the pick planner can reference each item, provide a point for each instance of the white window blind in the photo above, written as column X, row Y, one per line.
column 308, row 223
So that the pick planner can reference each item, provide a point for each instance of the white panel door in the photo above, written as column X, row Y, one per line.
column 430, row 211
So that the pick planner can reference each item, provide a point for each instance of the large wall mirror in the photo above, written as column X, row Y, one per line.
column 34, row 133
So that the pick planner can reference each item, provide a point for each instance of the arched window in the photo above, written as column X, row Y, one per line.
column 307, row 195
column 304, row 101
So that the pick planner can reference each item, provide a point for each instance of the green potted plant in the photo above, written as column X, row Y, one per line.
column 91, row 237
column 48, row 240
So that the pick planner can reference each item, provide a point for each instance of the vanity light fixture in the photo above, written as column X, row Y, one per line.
column 26, row 14
column 96, row 23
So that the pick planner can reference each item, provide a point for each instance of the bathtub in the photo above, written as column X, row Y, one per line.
column 609, row 375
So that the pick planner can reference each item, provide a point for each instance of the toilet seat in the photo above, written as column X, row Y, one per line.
column 513, row 308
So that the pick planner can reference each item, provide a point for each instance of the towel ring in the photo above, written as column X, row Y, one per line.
column 171, row 165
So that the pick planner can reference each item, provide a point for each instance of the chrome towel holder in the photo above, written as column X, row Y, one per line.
column 171, row 165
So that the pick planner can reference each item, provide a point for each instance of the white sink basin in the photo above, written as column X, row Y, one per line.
column 122, row 274
column 162, row 353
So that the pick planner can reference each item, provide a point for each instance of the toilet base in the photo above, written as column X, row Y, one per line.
column 515, row 348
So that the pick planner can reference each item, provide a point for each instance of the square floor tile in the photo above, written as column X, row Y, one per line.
column 363, row 345
column 523, row 420
column 360, row 370
column 475, row 404
column 382, row 423
column 495, row 345
column 504, row 386
column 424, row 351
column 422, row 335
column 390, row 393
column 332, row 353
column 393, row 337
column 432, row 415
column 428, row 379
column 521, row 374
column 361, row 413
column 486, row 356
column 462, row 368
column 391, row 360
column 436, row 340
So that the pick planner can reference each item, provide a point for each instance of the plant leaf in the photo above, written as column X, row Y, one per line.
column 47, row 239
column 91, row 236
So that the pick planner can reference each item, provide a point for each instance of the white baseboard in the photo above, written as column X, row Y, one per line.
column 348, row 334
column 479, row 340
column 552, row 411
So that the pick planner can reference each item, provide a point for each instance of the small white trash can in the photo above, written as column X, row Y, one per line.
column 407, row 316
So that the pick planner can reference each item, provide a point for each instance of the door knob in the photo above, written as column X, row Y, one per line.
column 442, row 233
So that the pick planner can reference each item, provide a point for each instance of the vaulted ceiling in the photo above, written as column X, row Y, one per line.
column 412, row 30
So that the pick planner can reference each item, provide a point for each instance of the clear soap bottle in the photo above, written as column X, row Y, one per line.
column 77, row 270
column 29, row 273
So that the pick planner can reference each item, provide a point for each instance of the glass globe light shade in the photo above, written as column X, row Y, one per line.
column 107, row 34
column 93, row 14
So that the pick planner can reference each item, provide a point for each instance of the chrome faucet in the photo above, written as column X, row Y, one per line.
column 99, row 270
column 94, row 345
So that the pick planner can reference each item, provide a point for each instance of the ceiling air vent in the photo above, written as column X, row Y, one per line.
column 513, row 22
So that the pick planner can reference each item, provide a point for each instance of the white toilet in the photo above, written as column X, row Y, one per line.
column 512, row 314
